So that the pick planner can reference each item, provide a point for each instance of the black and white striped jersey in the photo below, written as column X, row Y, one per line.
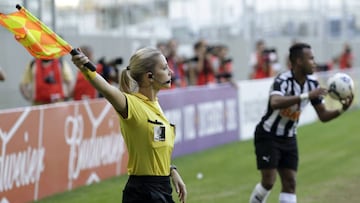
column 283, row 122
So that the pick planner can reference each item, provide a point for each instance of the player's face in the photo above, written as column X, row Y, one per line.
column 308, row 62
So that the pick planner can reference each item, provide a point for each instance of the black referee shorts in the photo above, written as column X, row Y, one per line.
column 148, row 189
column 275, row 152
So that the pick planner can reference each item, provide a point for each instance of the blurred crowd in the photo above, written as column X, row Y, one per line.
column 342, row 61
column 49, row 81
column 210, row 64
column 265, row 62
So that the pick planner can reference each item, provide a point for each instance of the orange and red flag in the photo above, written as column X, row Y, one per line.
column 40, row 41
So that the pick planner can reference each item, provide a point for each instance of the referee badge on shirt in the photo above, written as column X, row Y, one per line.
column 159, row 133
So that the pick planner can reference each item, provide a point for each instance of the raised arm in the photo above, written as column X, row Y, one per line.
column 111, row 93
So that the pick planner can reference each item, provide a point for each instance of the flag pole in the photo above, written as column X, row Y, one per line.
column 90, row 65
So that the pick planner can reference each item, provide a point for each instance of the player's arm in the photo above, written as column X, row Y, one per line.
column 327, row 115
column 111, row 93
column 278, row 101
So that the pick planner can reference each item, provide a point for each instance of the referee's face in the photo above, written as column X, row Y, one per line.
column 308, row 62
column 162, row 73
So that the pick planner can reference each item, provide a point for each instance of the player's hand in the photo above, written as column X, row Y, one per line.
column 179, row 185
column 318, row 92
column 346, row 103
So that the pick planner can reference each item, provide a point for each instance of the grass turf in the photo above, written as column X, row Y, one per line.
column 328, row 172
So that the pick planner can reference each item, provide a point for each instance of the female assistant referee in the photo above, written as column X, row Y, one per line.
column 148, row 135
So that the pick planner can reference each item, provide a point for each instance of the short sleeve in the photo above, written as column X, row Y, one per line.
column 279, row 87
column 132, row 108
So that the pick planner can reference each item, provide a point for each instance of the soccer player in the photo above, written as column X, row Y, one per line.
column 148, row 135
column 275, row 135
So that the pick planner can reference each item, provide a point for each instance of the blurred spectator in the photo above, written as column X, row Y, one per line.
column 162, row 47
column 327, row 66
column 46, row 81
column 176, row 64
column 256, row 58
column 346, row 58
column 266, row 70
column 2, row 75
column 201, row 70
column 274, row 60
column 110, row 70
column 83, row 89
column 225, row 71
column 261, row 61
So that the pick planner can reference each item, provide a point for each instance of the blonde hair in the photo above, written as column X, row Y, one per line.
column 141, row 62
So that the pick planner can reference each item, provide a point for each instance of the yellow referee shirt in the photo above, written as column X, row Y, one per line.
column 148, row 135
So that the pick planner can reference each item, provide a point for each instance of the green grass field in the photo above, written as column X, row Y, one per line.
column 329, row 170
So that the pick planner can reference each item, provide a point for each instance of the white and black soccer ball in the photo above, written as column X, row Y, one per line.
column 340, row 86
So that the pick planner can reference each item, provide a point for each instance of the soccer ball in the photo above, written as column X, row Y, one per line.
column 340, row 86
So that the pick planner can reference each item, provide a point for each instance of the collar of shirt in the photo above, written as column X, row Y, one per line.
column 143, row 97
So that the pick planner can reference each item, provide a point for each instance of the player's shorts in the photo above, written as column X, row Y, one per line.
column 275, row 152
column 149, row 189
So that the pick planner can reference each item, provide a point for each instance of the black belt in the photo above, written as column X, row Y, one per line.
column 149, row 179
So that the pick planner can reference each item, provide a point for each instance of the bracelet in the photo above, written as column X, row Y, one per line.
column 172, row 167
column 304, row 96
column 89, row 75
